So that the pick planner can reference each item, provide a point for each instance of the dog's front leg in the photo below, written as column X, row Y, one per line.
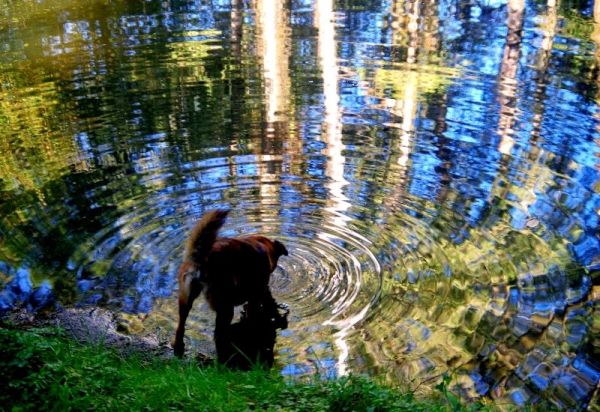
column 189, row 289
column 223, row 332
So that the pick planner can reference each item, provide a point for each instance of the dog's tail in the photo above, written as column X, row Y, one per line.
column 203, row 236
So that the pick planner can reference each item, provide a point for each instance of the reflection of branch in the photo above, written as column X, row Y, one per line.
column 315, row 363
column 431, row 378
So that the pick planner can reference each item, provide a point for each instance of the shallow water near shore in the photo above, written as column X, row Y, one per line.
column 431, row 166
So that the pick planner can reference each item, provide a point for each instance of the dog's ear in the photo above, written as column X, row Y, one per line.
column 280, row 248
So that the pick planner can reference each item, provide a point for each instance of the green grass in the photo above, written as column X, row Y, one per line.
column 41, row 369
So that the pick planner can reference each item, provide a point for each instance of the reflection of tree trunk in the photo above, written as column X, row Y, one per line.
column 543, row 60
column 273, row 45
column 237, row 87
column 534, row 174
column 337, row 202
column 596, row 33
column 407, row 107
column 409, row 100
column 596, row 38
column 407, row 18
column 413, row 31
column 508, row 75
column 327, row 53
column 405, row 27
column 507, row 90
column 414, row 27
column 398, row 23
column 443, row 151
column 237, row 19
column 431, row 26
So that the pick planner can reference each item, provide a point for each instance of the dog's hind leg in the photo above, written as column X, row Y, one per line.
column 189, row 289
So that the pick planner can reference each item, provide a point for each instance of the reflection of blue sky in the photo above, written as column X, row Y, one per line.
column 425, row 181
column 472, row 112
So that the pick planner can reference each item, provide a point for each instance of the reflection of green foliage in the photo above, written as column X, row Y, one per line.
column 487, row 255
column 33, row 149
column 43, row 105
column 577, row 26
column 43, row 238
column 26, row 12
column 580, row 63
column 428, row 79
column 583, row 68
column 456, row 291
column 189, row 53
column 358, row 5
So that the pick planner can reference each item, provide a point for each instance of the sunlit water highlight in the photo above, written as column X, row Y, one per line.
column 432, row 167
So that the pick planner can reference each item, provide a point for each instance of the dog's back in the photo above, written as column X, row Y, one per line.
column 238, row 269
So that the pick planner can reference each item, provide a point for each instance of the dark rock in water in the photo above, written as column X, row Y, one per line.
column 41, row 298
column 122, row 327
column 595, row 276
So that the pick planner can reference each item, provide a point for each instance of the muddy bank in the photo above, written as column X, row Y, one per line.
column 101, row 326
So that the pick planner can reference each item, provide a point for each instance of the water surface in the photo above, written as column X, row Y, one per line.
column 431, row 165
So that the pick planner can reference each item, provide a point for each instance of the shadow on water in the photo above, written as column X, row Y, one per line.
column 431, row 165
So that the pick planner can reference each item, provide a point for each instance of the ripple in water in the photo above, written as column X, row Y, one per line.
column 431, row 168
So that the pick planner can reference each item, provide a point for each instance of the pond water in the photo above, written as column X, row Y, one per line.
column 431, row 165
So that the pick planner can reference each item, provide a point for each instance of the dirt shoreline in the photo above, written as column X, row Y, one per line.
column 97, row 326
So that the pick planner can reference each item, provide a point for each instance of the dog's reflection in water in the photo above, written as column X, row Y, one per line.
column 249, row 343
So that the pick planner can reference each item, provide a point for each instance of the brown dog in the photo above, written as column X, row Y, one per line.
column 232, row 271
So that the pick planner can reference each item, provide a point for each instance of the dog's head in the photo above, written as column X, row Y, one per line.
column 276, row 250
column 280, row 249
